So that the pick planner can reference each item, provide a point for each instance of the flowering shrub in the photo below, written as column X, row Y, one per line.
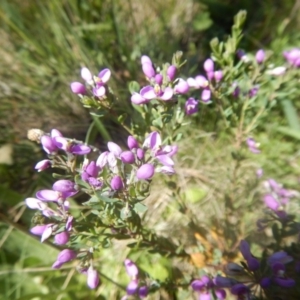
column 239, row 89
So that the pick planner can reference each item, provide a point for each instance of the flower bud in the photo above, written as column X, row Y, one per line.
column 132, row 287
column 116, row 183
column 131, row 268
column 265, row 282
column 148, row 70
column 181, row 87
column 208, row 65
column 43, row 165
column 171, row 72
column 78, row 88
column 64, row 185
column 127, row 157
column 145, row 172
column 93, row 279
column 143, row 292
column 64, row 256
column 159, row 79
column 260, row 56
column 140, row 154
column 206, row 95
column 132, row 142
column 86, row 75
column 61, row 238
column 146, row 59
column 218, row 75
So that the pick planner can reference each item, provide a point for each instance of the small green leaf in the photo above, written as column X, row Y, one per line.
column 140, row 207
column 133, row 87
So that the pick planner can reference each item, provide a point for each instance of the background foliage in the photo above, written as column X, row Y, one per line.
column 43, row 47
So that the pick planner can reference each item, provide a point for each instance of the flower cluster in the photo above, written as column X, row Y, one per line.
column 162, row 84
column 135, row 286
column 95, row 83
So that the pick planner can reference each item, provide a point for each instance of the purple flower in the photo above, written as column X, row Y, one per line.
column 131, row 268
column 45, row 231
column 143, row 292
column 252, row 145
column 61, row 238
column 271, row 202
column 34, row 203
column 157, row 92
column 145, row 59
column 285, row 282
column 140, row 154
column 240, row 289
column 145, row 172
column 127, row 157
column 253, row 92
column 49, row 144
column 42, row 165
column 65, row 186
column 171, row 72
column 158, row 79
column 68, row 146
column 132, row 287
column 181, row 87
column 206, row 95
column 63, row 257
column 114, row 148
column 293, row 56
column 218, row 75
column 78, row 88
column 198, row 82
column 191, row 106
column 260, row 56
column 132, row 142
column 116, row 183
column 138, row 99
column 208, row 65
column 93, row 279
column 265, row 282
column 148, row 70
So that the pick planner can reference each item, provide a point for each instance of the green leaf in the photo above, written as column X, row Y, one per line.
column 290, row 132
column 133, row 87
column 140, row 207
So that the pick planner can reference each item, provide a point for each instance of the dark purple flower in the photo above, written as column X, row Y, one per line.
column 285, row 282
column 132, row 287
column 191, row 106
column 265, row 282
column 143, row 292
